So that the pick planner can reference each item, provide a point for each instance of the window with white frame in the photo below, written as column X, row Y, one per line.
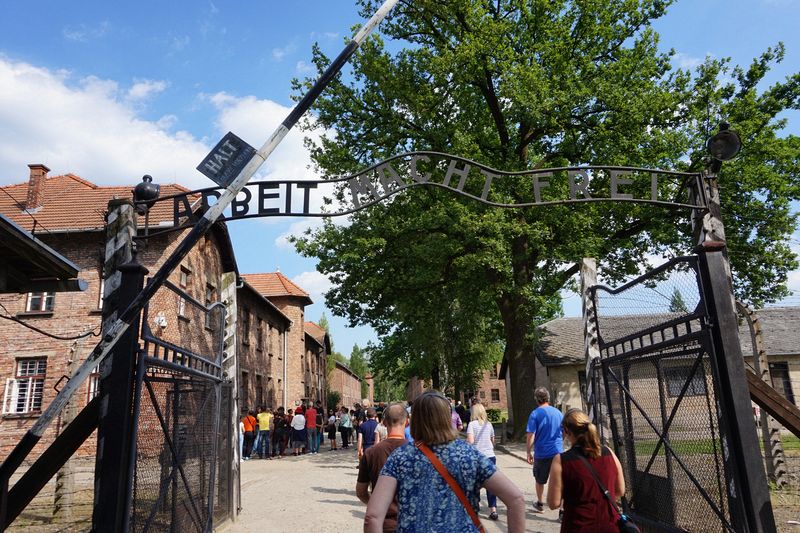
column 183, row 277
column 94, row 383
column 211, row 298
column 102, row 291
column 182, row 307
column 24, row 391
column 40, row 302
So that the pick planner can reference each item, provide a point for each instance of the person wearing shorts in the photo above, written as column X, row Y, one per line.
column 544, row 441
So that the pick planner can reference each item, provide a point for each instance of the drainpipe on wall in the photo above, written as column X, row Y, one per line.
column 285, row 369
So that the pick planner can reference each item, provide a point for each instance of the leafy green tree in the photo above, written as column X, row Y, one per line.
column 524, row 85
column 676, row 303
column 389, row 387
column 334, row 356
column 333, row 399
column 359, row 366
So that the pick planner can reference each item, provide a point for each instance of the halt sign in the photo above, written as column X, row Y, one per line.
column 226, row 160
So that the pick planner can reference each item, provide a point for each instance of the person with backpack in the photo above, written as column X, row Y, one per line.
column 278, row 433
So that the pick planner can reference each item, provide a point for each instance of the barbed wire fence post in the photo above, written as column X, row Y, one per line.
column 775, row 459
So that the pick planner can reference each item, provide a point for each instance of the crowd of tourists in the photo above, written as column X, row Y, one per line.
column 422, row 466
column 269, row 434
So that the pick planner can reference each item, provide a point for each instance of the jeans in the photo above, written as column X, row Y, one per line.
column 313, row 441
column 249, row 438
column 262, row 444
column 489, row 496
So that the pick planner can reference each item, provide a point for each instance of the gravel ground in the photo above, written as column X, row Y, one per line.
column 317, row 493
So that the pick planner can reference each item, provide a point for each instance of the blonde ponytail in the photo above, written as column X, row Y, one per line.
column 586, row 435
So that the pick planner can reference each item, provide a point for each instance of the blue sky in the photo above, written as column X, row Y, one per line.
column 114, row 90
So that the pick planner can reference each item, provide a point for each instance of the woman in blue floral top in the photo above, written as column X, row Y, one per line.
column 426, row 502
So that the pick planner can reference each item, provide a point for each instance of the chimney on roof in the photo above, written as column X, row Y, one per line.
column 36, row 186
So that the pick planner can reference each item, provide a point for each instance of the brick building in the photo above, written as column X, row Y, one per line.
column 67, row 213
column 290, row 300
column 347, row 384
column 318, row 346
column 491, row 391
column 262, row 350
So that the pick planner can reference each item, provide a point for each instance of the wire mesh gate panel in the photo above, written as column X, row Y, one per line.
column 180, row 455
column 657, row 397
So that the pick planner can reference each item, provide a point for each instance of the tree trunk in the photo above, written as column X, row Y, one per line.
column 522, row 370
column 517, row 320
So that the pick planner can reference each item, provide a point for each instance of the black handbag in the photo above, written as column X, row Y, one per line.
column 625, row 523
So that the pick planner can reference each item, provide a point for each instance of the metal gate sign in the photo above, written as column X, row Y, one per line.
column 226, row 160
column 344, row 195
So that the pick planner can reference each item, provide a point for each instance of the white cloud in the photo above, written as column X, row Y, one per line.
column 145, row 89
column 254, row 120
column 686, row 61
column 278, row 54
column 87, row 127
column 314, row 283
column 180, row 43
column 329, row 35
column 297, row 229
column 83, row 33
column 304, row 68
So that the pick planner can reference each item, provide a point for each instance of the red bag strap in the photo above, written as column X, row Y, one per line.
column 437, row 464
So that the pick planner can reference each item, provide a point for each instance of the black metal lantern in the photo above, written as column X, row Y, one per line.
column 725, row 145
column 145, row 194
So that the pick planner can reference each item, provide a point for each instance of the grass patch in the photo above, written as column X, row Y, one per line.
column 680, row 447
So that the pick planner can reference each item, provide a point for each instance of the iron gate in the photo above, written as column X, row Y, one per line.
column 657, row 394
column 180, row 457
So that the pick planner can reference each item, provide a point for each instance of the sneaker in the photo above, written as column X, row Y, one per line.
column 493, row 515
column 538, row 507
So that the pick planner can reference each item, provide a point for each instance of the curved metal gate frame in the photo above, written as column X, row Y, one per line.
column 659, row 395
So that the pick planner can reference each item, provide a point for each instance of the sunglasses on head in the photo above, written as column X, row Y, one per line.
column 435, row 394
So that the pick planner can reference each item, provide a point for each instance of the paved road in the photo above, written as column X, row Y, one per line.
column 317, row 493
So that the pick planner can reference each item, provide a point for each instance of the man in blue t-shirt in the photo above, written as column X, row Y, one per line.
column 544, row 435
column 366, row 432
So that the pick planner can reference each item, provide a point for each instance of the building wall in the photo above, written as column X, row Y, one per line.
column 565, row 387
column 74, row 313
column 314, row 364
column 296, row 345
column 347, row 385
column 491, row 391
column 78, row 312
column 260, row 364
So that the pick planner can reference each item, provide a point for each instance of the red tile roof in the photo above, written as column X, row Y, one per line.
column 316, row 331
column 71, row 203
column 275, row 284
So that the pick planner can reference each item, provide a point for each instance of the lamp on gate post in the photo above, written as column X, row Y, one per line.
column 145, row 195
column 747, row 489
column 723, row 146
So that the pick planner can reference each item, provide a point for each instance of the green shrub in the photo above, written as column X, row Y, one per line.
column 493, row 415
column 333, row 399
